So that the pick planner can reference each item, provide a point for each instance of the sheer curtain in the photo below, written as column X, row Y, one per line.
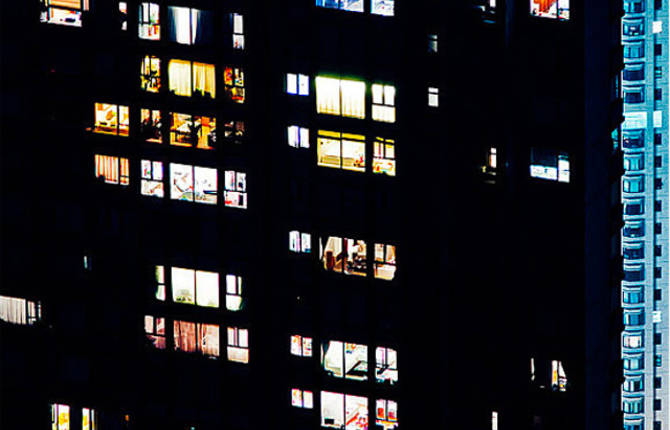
column 327, row 95
column 179, row 74
column 13, row 310
column 204, row 76
column 209, row 335
column 184, row 336
column 353, row 99
column 179, row 25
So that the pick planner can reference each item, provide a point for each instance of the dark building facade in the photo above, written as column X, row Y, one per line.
column 331, row 214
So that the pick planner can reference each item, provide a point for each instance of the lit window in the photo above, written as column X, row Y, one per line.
column 237, row 22
column 386, row 365
column 341, row 150
column 350, row 5
column 154, row 330
column 238, row 345
column 550, row 165
column 343, row 255
column 657, row 27
column 557, row 9
column 192, row 131
column 433, row 97
column 387, row 414
column 123, row 12
column 234, row 300
column 193, row 183
column 160, row 283
column 111, row 119
column 493, row 158
column 383, row 103
column 150, row 125
column 633, row 340
column 297, row 84
column 384, row 261
column 298, row 137
column 233, row 79
column 432, row 43
column 188, row 78
column 195, row 287
column 494, row 420
column 343, row 411
column 149, row 21
column 384, row 156
column 491, row 164
column 235, row 192
column 233, row 131
column 382, row 7
column 299, row 242
column 340, row 97
column 60, row 417
column 63, row 12
column 189, row 26
column 196, row 337
column 345, row 360
column 150, row 74
column 301, row 346
column 302, row 398
column 559, row 381
column 89, row 419
column 152, row 179
column 16, row 310
column 113, row 170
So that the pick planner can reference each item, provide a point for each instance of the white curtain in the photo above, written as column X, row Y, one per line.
column 328, row 95
column 13, row 310
column 182, row 25
column 353, row 99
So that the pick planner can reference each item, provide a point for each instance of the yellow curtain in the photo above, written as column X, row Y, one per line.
column 204, row 79
column 179, row 73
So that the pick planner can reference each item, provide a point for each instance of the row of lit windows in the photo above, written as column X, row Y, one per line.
column 61, row 418
column 345, row 150
column 185, row 130
column 558, row 380
column 197, row 287
column 197, row 338
column 188, row 26
column 191, row 78
column 549, row 165
column 377, row 7
column 349, row 360
column 191, row 26
column 350, row 95
column 17, row 310
column 187, row 182
column 342, row 411
column 349, row 256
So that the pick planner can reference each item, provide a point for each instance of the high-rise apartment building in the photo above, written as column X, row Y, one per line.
column 645, row 197
column 320, row 214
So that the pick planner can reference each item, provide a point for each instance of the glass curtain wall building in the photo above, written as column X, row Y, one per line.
column 645, row 291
